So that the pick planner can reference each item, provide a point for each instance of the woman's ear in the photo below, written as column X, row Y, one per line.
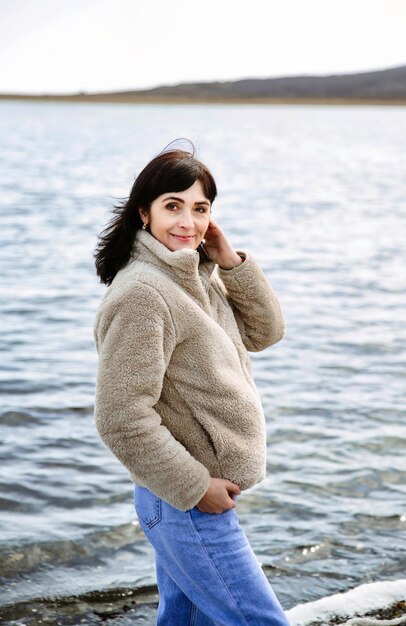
column 143, row 215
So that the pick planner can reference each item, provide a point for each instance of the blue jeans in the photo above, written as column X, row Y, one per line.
column 206, row 570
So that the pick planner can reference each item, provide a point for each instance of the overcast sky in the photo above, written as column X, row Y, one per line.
column 65, row 46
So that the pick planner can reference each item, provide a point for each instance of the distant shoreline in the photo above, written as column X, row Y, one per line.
column 378, row 87
column 112, row 99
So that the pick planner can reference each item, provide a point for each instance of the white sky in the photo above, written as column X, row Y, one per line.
column 65, row 46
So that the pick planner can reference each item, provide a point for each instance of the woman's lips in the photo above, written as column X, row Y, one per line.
column 181, row 238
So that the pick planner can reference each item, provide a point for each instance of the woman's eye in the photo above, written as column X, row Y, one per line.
column 202, row 209
column 171, row 204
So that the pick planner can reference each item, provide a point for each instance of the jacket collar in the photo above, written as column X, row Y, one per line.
column 181, row 264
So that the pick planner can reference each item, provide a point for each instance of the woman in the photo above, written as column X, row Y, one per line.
column 175, row 397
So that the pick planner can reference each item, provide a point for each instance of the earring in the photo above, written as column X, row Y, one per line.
column 144, row 226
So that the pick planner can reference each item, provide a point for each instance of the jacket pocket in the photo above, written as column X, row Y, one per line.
column 148, row 506
column 211, row 444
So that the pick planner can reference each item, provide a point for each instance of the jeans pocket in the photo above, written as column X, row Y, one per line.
column 148, row 506
column 196, row 511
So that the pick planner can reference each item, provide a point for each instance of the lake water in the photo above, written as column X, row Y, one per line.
column 318, row 195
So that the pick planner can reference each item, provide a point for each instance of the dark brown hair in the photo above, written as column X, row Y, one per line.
column 170, row 170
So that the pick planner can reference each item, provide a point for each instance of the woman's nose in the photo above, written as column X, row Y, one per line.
column 186, row 220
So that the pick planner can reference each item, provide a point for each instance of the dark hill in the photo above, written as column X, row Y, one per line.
column 389, row 83
column 380, row 86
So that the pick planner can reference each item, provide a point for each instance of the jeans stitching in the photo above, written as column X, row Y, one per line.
column 158, row 511
column 158, row 515
column 192, row 618
column 216, row 570
column 193, row 607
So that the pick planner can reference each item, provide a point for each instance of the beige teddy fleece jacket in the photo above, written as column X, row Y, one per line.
column 175, row 399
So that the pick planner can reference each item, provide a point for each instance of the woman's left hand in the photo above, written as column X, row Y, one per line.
column 218, row 247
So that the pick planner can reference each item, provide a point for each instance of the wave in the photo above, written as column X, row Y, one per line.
column 371, row 604
column 379, row 603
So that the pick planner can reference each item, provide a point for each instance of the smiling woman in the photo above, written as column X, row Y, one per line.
column 182, row 223
column 176, row 401
column 173, row 182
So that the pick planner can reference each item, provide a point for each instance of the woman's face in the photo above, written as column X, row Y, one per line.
column 179, row 219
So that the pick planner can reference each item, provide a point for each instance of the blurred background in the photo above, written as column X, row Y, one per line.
column 299, row 111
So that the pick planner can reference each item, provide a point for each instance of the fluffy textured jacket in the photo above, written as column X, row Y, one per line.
column 175, row 399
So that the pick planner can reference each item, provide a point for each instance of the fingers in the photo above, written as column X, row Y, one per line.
column 213, row 224
column 233, row 487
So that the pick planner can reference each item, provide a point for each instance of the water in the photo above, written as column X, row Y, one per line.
column 318, row 195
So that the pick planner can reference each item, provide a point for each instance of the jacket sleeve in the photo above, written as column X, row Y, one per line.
column 256, row 308
column 135, row 337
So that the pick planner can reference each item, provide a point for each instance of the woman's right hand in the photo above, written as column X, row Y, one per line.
column 217, row 499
